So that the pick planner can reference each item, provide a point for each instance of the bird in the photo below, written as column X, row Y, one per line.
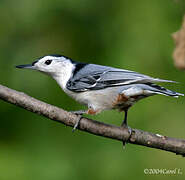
column 99, row 87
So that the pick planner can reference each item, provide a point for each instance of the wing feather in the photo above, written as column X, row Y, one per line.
column 95, row 77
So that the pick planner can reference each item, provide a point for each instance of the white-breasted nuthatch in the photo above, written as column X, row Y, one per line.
column 99, row 87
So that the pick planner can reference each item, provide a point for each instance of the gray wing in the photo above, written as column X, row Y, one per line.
column 95, row 77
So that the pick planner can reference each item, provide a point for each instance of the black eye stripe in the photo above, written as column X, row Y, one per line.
column 33, row 63
column 48, row 62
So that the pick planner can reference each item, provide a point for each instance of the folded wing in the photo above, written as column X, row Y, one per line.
column 95, row 77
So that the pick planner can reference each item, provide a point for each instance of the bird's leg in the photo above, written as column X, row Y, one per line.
column 79, row 114
column 124, row 124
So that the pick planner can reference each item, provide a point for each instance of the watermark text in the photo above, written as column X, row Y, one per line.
column 164, row 171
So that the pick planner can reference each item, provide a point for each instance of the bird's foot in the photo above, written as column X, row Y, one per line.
column 129, row 131
column 77, row 123
column 79, row 114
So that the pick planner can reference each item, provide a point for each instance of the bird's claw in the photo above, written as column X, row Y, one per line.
column 130, row 133
column 79, row 114
column 77, row 123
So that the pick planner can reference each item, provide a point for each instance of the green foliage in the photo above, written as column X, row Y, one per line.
column 134, row 35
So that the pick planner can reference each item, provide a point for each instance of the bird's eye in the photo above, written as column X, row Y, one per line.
column 48, row 62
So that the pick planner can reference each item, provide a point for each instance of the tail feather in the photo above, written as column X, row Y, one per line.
column 161, row 90
column 163, row 80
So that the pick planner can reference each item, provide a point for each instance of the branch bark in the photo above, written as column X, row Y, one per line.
column 94, row 127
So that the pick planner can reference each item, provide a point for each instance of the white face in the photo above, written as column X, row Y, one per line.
column 52, row 65
column 59, row 67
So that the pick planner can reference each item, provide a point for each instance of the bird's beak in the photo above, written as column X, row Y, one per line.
column 25, row 66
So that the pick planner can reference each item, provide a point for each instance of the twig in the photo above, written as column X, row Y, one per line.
column 94, row 127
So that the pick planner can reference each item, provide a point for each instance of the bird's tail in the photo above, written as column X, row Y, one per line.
column 164, row 91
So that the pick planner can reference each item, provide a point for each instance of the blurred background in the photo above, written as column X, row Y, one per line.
column 134, row 35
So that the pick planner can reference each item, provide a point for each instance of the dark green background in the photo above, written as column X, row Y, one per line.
column 134, row 35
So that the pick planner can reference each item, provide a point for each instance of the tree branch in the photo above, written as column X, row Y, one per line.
column 94, row 127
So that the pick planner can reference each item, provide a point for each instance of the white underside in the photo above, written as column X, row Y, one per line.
column 105, row 99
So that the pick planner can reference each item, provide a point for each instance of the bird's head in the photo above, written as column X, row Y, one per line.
column 53, row 65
